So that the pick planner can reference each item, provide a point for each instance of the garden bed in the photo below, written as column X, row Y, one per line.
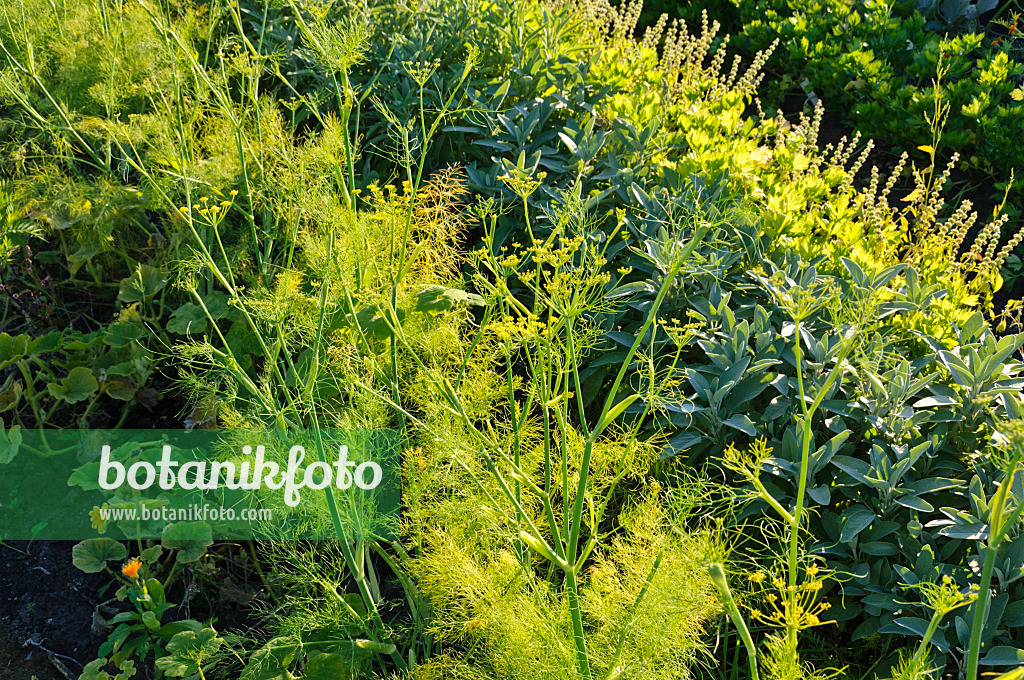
column 680, row 376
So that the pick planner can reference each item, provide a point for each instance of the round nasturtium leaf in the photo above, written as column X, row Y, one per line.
column 92, row 555
column 79, row 385
column 191, row 539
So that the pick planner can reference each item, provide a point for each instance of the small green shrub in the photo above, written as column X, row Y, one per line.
column 884, row 64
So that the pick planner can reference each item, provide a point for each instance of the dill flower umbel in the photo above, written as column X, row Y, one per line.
column 757, row 577
column 795, row 606
column 131, row 569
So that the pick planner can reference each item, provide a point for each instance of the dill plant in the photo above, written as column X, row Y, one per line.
column 1005, row 510
column 546, row 471
column 793, row 603
column 244, row 193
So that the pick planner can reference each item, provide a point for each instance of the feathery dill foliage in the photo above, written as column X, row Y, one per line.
column 535, row 560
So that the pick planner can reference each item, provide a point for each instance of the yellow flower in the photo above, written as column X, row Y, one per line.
column 131, row 570
column 757, row 577
column 99, row 523
column 913, row 195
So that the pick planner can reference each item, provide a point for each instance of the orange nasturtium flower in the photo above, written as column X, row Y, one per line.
column 131, row 570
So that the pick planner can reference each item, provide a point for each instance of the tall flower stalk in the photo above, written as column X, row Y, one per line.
column 1005, row 513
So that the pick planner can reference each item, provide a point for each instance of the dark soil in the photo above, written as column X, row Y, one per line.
column 46, row 610
column 48, row 606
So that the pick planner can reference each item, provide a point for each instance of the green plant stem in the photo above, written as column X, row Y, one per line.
column 718, row 578
column 980, row 614
column 933, row 625
column 999, row 526
column 796, row 519
column 572, row 590
column 358, row 574
column 170, row 575
column 572, row 546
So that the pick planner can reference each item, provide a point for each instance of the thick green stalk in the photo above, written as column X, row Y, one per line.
column 980, row 614
column 582, row 657
column 796, row 519
column 718, row 578
column 357, row 573
column 588, row 448
column 999, row 526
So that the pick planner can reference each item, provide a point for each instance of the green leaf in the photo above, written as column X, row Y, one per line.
column 92, row 555
column 156, row 590
column 10, row 442
column 324, row 666
column 271, row 661
column 878, row 548
column 821, row 495
column 867, row 628
column 187, row 319
column 86, row 251
column 1003, row 656
column 120, row 389
column 79, row 385
column 905, row 625
column 630, row 289
column 965, row 532
column 243, row 343
column 855, row 519
column 152, row 554
column 94, row 670
column 373, row 321
column 187, row 651
column 680, row 442
column 151, row 622
column 857, row 469
column 144, row 284
column 124, row 333
column 174, row 627
column 742, row 423
column 10, row 394
column 915, row 503
column 12, row 348
column 190, row 538
column 86, row 476
column 219, row 306
column 437, row 299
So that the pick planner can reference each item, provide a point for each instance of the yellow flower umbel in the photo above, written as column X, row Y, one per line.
column 793, row 607
column 944, row 596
